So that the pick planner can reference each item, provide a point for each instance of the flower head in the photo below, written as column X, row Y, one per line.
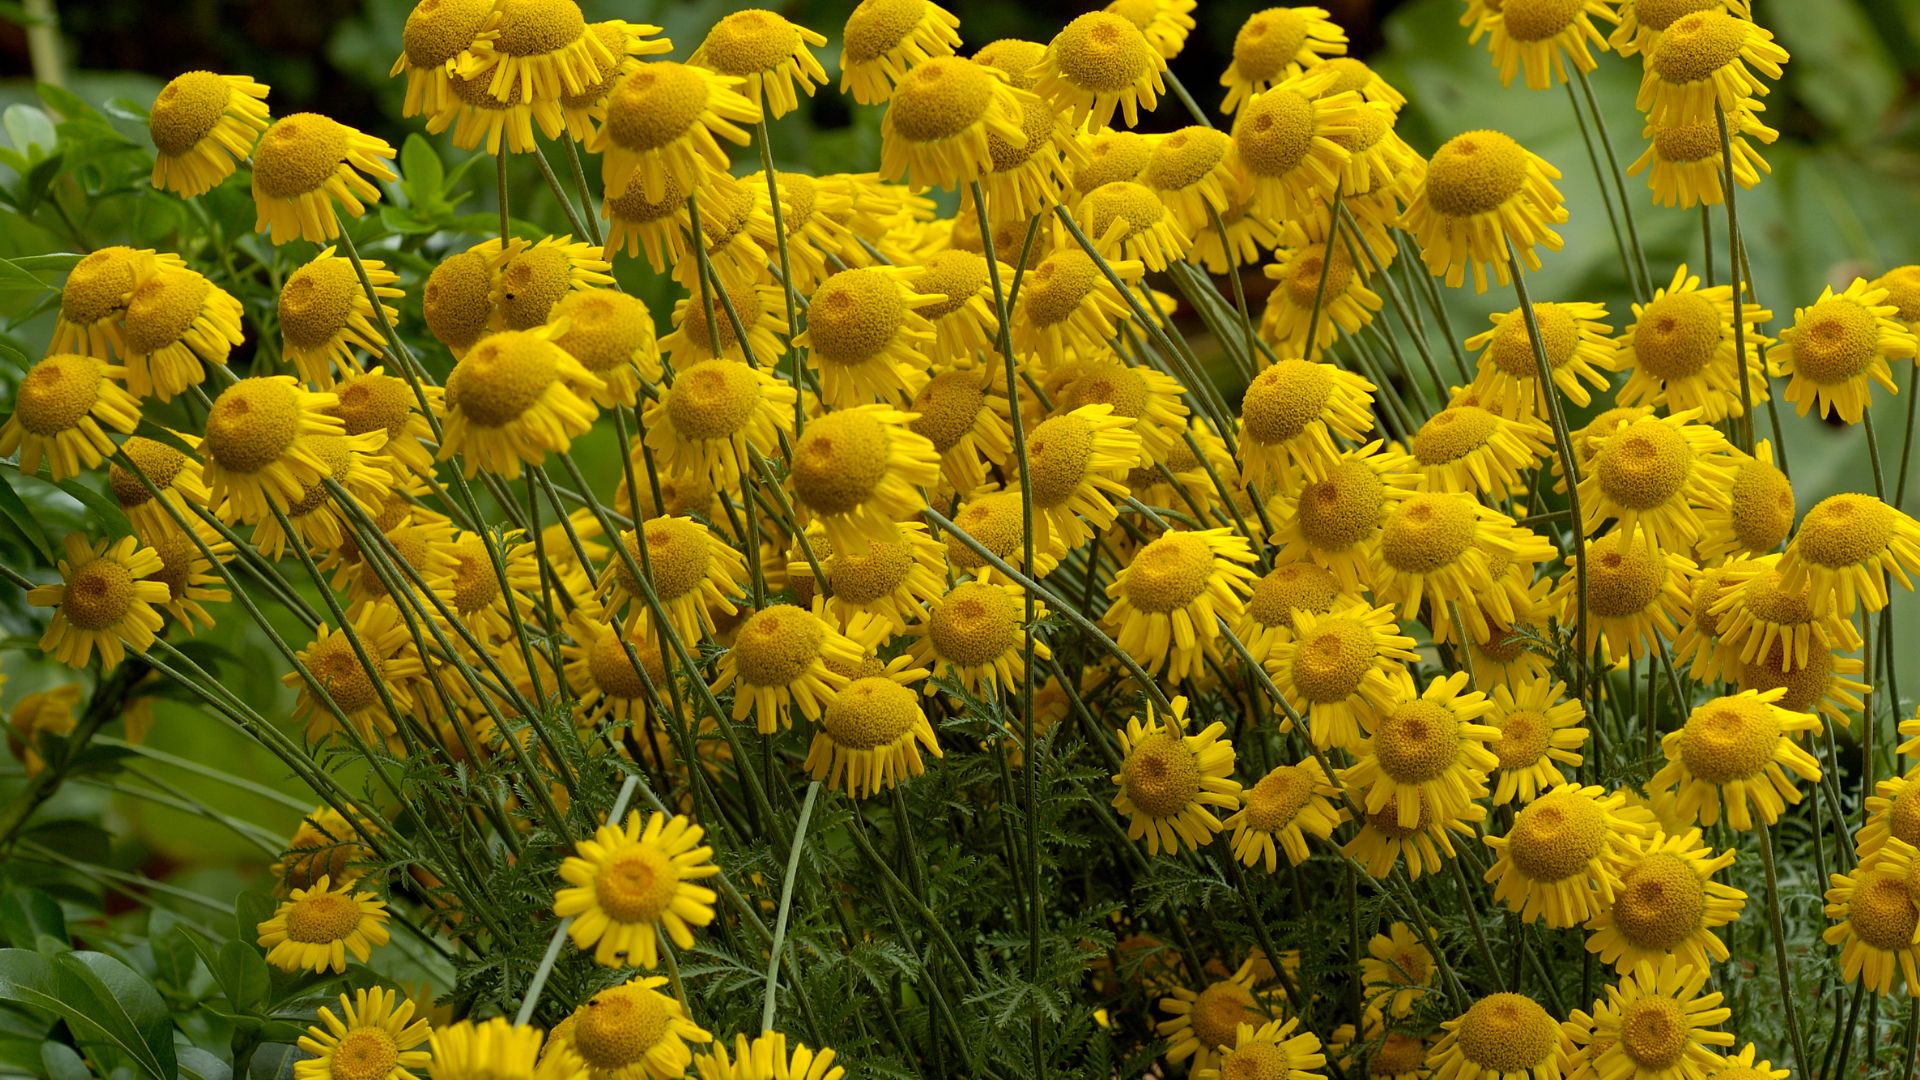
column 1501, row 1035
column 371, row 1039
column 1486, row 199
column 514, row 398
column 1706, row 60
column 1737, row 752
column 1169, row 600
column 314, row 929
column 1098, row 63
column 203, row 125
column 1840, row 345
column 435, row 34
column 978, row 632
column 631, row 1032
column 885, row 39
column 1279, row 812
column 308, row 166
column 1275, row 44
column 661, row 124
column 1540, row 730
column 325, row 316
column 630, row 883
column 1845, row 549
column 779, row 659
column 105, row 601
column 1655, row 1021
column 1666, row 903
column 872, row 732
column 944, row 115
column 769, row 52
column 62, row 411
column 1680, row 350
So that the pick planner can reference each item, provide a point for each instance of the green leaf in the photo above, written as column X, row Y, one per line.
column 101, row 1000
column 197, row 1063
column 52, row 260
column 173, row 954
column 160, row 433
column 26, row 915
column 65, row 102
column 103, row 509
column 30, row 130
column 63, row 1062
column 254, row 907
column 420, row 168
column 22, row 519
column 16, row 278
column 243, row 975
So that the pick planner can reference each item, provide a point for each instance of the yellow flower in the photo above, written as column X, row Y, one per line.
column 767, row 51
column 1540, row 730
column 325, row 315
column 1437, row 547
column 967, row 421
column 1334, row 519
column 203, row 125
column 1278, row 813
column 885, row 39
column 1838, row 346
column 1110, row 155
column 1876, row 921
column 514, row 398
column 997, row 519
column 176, row 476
column 1579, row 348
column 105, row 601
column 457, row 302
column 1467, row 448
column 314, row 929
column 864, row 335
column 1398, row 971
column 1845, row 548
column 1560, row 857
column 436, row 33
column 1426, row 751
column 625, row 43
column 325, row 843
column 539, row 49
column 1077, row 460
column 612, row 335
column 1125, row 220
column 1655, row 1023
column 1382, row 841
column 1277, row 1049
column 1346, row 303
column 977, row 632
column 1701, row 63
column 1893, row 810
column 1276, row 44
column 478, row 118
column 1652, row 475
column 872, row 731
column 48, row 713
column 739, row 235
column 354, row 688
column 176, row 320
column 371, row 1039
column 1249, row 234
column 1736, row 750
column 1189, row 170
column 1342, row 669
column 1679, row 352
column 1642, row 22
column 1666, row 903
column 316, row 517
column 779, row 659
column 1166, row 23
column 690, row 572
column 1098, row 63
column 660, row 127
column 62, row 411
column 1683, row 160
column 630, row 1032
column 374, row 402
column 1067, row 305
column 306, row 168
column 1289, row 143
column 493, row 1049
column 766, row 1058
column 1545, row 37
column 1636, row 592
column 530, row 281
column 1741, row 1066
column 762, row 309
column 600, row 674
column 1485, row 200
column 1200, row 1025
column 717, row 414
column 94, row 298
column 1756, row 615
column 1509, row 653
column 1505, row 1035
column 1169, row 599
column 629, row 883
column 1169, row 779
column 893, row 582
column 814, row 214
column 1291, row 414
column 858, row 471
column 943, row 118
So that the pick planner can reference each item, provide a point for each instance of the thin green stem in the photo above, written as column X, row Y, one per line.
column 1736, row 265
column 1781, row 965
column 786, row 905
column 1618, row 180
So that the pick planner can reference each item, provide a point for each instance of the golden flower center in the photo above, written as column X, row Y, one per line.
column 1218, row 1012
column 1654, row 1033
column 164, row 307
column 1644, row 465
column 871, row 575
column 1556, row 837
column 1453, row 433
column 337, row 669
column 871, row 712
column 1538, row 20
column 1124, row 201
column 617, row 1027
column 1507, row 1033
column 1475, row 173
column 955, row 274
column 1804, row 685
column 1845, row 530
column 1279, row 797
column 637, row 883
column 877, row 26
column 1768, row 602
column 976, row 624
column 298, row 155
column 840, row 461
column 746, row 304
column 1017, row 59
column 1186, row 157
column 1660, row 14
column 778, row 645
column 750, row 41
column 1269, row 41
column 1169, row 573
column 456, row 303
column 1255, row 1061
column 373, row 403
column 99, row 595
column 940, row 98
column 1344, row 509
column 316, row 302
column 1398, row 1055
column 1275, row 132
column 503, row 377
column 322, row 918
column 1903, row 816
column 1289, row 588
column 252, row 423
column 678, row 550
column 1835, row 340
column 439, row 30
column 1113, row 155
column 1882, row 912
column 1417, row 742
column 1053, row 291
column 1761, row 505
column 98, row 285
column 1686, row 143
column 57, row 394
column 1902, row 285
column 1428, row 531
column 1729, row 739
column 854, row 315
column 713, row 399
column 657, row 104
column 604, row 328
column 1697, row 45
column 1624, row 579
column 533, row 27
column 1161, row 774
column 1302, row 283
column 1331, row 660
column 948, row 407
column 1660, row 902
column 1386, row 820
column 1059, row 451
column 187, row 109
column 1523, row 741
column 1102, row 52
column 1512, row 347
column 1286, row 397
column 613, row 673
column 364, row 1053
column 475, row 586
column 532, row 283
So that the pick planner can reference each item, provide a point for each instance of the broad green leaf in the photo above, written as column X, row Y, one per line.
column 125, row 1007
column 16, row 278
column 200, row 1065
column 65, row 102
column 28, row 914
column 30, row 130
column 420, row 168
column 22, row 519
column 254, row 907
column 63, row 1062
column 243, row 975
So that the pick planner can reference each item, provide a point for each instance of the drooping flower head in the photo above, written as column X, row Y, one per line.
column 62, row 411
column 1098, row 63
column 1579, row 350
column 203, row 125
column 769, row 52
column 661, row 125
column 325, row 316
column 1845, row 549
column 1839, row 346
column 306, row 168
column 1277, row 43
column 1486, row 198
column 436, row 33
column 1279, row 812
column 515, row 398
column 885, row 39
column 943, row 117
column 1169, row 600
column 1545, row 38
column 1706, row 60
column 1679, row 352
column 872, row 733
column 1559, row 860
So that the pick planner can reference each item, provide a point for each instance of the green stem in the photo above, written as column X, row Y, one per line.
column 1774, row 922
column 1619, row 184
column 786, row 904
column 1737, row 267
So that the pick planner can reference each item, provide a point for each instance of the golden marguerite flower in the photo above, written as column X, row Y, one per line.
column 94, row 298
column 1679, row 352
column 630, row 883
column 1706, row 61
column 1637, row 594
column 1643, row 21
column 1290, row 143
column 482, row 1049
column 1652, row 475
column 342, row 682
column 315, row 929
column 203, row 125
column 1579, row 348
column 1169, row 600
column 325, row 316
column 306, row 168
column 1560, row 858
column 1540, row 730
column 1502, row 1035
column 1425, row 844
column 940, row 125
column 1099, row 63
column 1077, row 462
column 885, row 39
column 978, row 633
column 767, row 1058
column 1277, row 43
column 872, row 733
column 1291, row 414
column 1486, row 200
column 859, row 470
column 1655, row 1022
column 660, row 126
column 105, row 601
column 513, row 399
column 864, row 335
column 1277, row 1048
column 371, row 1039
column 1279, row 812
column 1199, row 1025
column 63, row 410
column 1545, row 38
column 1334, row 519
column 1169, row 780
column 1125, row 220
column 1838, row 347
column 1429, row 750
column 630, row 1032
column 435, row 34
column 539, row 49
column 779, row 660
column 689, row 570
column 1398, row 971
column 1846, row 548
column 1683, row 160
column 1165, row 22
column 1342, row 669
column 1666, row 903
column 1736, row 753
column 769, row 52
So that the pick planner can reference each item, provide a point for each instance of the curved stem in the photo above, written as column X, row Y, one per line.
column 786, row 905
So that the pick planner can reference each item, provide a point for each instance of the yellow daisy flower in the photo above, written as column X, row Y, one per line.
column 872, row 731
column 514, row 398
column 1756, row 616
column 893, row 582
column 1169, row 779
column 1742, row 1066
column 316, row 519
column 1398, row 971
column 1277, row 1048
column 885, row 39
column 630, row 883
column 1279, row 812
column 1342, row 669
column 1250, row 235
column 630, row 1032
column 475, row 1050
column 1018, row 59
column 859, row 470
column 1579, row 347
column 176, row 321
column 62, row 411
column 1099, row 63
column 766, row 1058
column 105, row 600
column 763, row 314
column 1437, row 547
column 625, row 43
column 203, row 125
column 943, row 116
column 978, row 633
column 1652, row 474
column 1636, row 595
column 1501, row 1035
column 1077, row 460
column 967, row 420
column 1485, row 199
column 327, row 843
column 1291, row 414
column 1382, row 841
column 1655, row 1022
column 1111, row 155
column 371, row 1039
column 480, row 119
column 1169, row 599
column 1346, row 303
column 538, row 48
column 1641, row 24
column 255, row 456
column 1067, row 305
column 314, row 929
column 997, row 519
column 1427, row 751
column 716, row 413
column 1837, row 347
column 778, row 660
column 1679, row 352
column 1683, row 161
column 864, row 336
column 1666, row 904
column 1126, row 220
column 661, row 122
column 612, row 335
column 1467, row 448
column 1507, row 654
column 767, row 51
column 1166, row 23
column 602, row 677
column 94, row 298
column 1736, row 750
column 354, row 688
column 1706, row 60
column 374, row 401
column 306, row 168
column 435, row 34
column 1334, row 519
column 693, row 574
column 1287, row 143
column 1539, row 731
column 457, row 303
column 1545, row 37
column 1845, row 549
column 1559, row 858
column 1828, row 683
column 529, row 281
column 1199, row 1025
column 325, row 315
column 1276, row 44
column 177, row 477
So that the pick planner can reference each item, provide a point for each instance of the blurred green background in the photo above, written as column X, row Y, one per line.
column 1841, row 201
